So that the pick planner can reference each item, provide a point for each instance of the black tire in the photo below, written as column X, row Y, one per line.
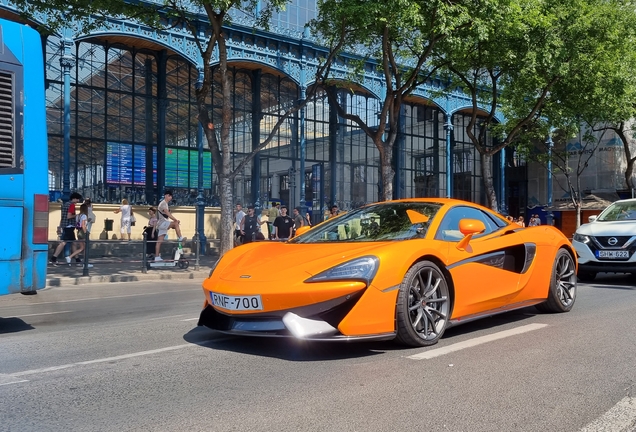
column 586, row 276
column 181, row 264
column 423, row 305
column 562, row 292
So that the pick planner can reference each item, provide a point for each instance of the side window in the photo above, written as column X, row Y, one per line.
column 449, row 228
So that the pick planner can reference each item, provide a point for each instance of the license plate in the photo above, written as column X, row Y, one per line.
column 236, row 303
column 612, row 254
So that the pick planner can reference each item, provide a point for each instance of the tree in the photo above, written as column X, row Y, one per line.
column 205, row 20
column 398, row 36
column 532, row 59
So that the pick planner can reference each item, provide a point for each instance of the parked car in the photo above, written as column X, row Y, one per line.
column 403, row 270
column 608, row 242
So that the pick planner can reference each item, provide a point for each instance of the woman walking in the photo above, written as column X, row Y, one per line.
column 126, row 214
column 82, row 232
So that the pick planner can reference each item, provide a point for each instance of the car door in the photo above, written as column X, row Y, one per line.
column 486, row 273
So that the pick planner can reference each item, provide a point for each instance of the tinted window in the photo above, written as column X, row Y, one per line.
column 449, row 228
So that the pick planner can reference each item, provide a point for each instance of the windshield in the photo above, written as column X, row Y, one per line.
column 619, row 211
column 377, row 222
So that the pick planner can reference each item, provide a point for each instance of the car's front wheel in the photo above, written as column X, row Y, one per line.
column 562, row 292
column 423, row 305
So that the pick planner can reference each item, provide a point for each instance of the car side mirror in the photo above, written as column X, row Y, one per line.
column 592, row 218
column 469, row 227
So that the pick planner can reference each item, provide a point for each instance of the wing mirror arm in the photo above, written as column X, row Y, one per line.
column 464, row 242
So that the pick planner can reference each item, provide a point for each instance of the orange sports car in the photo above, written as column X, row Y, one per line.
column 404, row 270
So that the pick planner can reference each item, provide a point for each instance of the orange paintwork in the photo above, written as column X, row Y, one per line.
column 278, row 272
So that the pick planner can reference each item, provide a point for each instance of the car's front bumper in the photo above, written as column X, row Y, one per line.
column 589, row 263
column 287, row 324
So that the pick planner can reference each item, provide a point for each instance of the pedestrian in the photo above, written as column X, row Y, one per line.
column 239, row 214
column 82, row 232
column 165, row 221
column 283, row 225
column 265, row 224
column 91, row 215
column 520, row 221
column 66, row 230
column 308, row 218
column 151, row 232
column 274, row 212
column 126, row 217
column 298, row 219
column 537, row 220
column 333, row 211
column 249, row 226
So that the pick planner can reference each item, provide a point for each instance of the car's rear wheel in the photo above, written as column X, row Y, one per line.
column 562, row 293
column 586, row 276
column 423, row 305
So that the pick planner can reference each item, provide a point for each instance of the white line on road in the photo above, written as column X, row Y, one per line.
column 8, row 379
column 190, row 319
column 96, row 298
column 102, row 360
column 37, row 314
column 477, row 341
column 620, row 418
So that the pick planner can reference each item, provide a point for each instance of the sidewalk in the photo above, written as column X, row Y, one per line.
column 125, row 269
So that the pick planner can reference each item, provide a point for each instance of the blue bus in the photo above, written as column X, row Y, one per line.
column 24, row 200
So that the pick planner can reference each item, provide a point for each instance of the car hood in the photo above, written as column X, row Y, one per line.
column 274, row 261
column 613, row 228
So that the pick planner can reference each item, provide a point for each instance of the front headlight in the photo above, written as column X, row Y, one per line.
column 581, row 238
column 362, row 269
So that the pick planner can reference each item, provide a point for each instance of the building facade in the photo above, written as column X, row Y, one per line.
column 121, row 119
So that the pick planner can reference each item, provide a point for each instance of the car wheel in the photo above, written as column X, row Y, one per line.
column 423, row 305
column 562, row 291
column 586, row 276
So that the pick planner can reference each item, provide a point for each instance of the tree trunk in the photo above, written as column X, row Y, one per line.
column 386, row 172
column 578, row 215
column 489, row 187
column 227, row 215
column 627, row 136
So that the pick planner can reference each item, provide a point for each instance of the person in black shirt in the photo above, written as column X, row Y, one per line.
column 250, row 226
column 283, row 225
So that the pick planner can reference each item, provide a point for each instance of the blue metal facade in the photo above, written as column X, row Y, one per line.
column 121, row 99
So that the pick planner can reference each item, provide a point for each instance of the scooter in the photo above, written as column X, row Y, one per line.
column 178, row 261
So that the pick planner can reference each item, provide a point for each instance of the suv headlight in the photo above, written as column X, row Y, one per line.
column 581, row 238
column 362, row 269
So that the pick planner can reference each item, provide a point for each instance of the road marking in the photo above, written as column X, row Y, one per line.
column 102, row 360
column 8, row 379
column 190, row 319
column 429, row 354
column 37, row 314
column 96, row 298
column 620, row 418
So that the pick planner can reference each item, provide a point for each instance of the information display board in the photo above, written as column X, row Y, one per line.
column 182, row 168
column 126, row 164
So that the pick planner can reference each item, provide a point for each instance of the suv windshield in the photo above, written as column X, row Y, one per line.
column 376, row 222
column 619, row 211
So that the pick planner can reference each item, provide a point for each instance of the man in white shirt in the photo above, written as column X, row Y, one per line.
column 239, row 214
column 165, row 221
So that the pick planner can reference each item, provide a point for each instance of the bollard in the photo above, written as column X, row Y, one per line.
column 85, row 269
column 144, row 258
column 196, row 251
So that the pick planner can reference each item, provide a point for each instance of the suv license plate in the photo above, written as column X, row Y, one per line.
column 236, row 303
column 612, row 254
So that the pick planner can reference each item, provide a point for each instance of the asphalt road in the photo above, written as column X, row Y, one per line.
column 129, row 357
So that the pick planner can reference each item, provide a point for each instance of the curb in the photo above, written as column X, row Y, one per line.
column 85, row 280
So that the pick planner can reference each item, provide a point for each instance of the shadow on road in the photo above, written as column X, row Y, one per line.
column 616, row 281
column 304, row 351
column 13, row 325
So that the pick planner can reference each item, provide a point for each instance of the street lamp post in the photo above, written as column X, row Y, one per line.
column 549, row 215
column 200, row 213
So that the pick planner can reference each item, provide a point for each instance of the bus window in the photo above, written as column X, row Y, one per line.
column 23, row 160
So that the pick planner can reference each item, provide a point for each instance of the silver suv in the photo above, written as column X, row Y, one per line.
column 608, row 242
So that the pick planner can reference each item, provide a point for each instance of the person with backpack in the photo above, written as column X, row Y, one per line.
column 66, row 230
column 82, row 232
